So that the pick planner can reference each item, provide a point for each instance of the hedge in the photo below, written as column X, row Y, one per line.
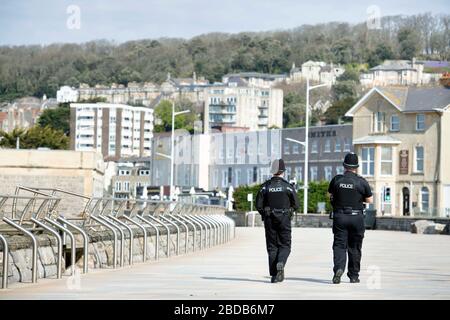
column 317, row 193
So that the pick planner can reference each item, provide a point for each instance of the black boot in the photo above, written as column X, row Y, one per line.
column 337, row 276
column 354, row 280
column 273, row 279
column 280, row 273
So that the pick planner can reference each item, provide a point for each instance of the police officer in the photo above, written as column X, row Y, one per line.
column 276, row 201
column 348, row 192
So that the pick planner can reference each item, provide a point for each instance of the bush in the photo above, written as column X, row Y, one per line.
column 240, row 197
column 317, row 193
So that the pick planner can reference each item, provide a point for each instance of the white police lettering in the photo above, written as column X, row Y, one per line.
column 279, row 189
column 346, row 186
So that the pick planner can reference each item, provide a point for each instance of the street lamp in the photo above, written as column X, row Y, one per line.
column 305, row 186
column 303, row 144
column 172, row 146
column 306, row 145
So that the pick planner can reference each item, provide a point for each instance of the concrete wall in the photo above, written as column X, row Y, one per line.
column 323, row 221
column 80, row 172
column 100, row 250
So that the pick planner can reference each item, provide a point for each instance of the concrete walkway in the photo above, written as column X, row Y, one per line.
column 395, row 265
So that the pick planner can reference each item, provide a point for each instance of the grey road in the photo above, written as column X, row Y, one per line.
column 395, row 265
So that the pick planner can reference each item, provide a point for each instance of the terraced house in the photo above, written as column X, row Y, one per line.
column 402, row 136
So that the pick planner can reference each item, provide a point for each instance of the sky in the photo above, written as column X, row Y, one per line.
column 25, row 22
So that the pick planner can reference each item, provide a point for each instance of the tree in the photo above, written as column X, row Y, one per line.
column 163, row 112
column 336, row 112
column 409, row 43
column 9, row 140
column 37, row 70
column 35, row 137
column 58, row 119
column 381, row 53
column 293, row 110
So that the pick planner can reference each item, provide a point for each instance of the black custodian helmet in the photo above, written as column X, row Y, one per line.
column 351, row 160
column 278, row 166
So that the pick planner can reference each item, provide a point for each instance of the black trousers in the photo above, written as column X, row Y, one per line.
column 278, row 239
column 348, row 233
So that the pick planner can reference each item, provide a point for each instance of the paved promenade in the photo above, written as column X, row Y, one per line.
column 395, row 265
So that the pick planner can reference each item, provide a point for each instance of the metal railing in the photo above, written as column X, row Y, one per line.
column 39, row 212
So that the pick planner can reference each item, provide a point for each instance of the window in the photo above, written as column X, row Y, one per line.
column 313, row 173
column 238, row 177
column 395, row 123
column 386, row 161
column 419, row 159
column 288, row 172
column 420, row 122
column 337, row 146
column 425, row 196
column 367, row 160
column 327, row 147
column 298, row 173
column 286, row 148
column 126, row 186
column 255, row 174
column 118, row 186
column 216, row 177
column 378, row 125
column 224, row 178
column 328, row 172
column 346, row 145
column 230, row 175
column 314, row 147
column 295, row 148
column 230, row 153
column 249, row 176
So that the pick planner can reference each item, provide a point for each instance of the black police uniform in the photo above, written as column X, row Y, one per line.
column 348, row 191
column 274, row 202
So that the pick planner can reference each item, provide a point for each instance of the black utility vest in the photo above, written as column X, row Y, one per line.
column 348, row 192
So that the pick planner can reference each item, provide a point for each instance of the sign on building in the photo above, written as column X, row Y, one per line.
column 404, row 161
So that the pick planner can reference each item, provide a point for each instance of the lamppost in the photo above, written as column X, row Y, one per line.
column 306, row 144
column 305, row 190
column 172, row 146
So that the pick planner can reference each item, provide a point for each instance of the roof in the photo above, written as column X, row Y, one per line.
column 376, row 139
column 427, row 99
column 409, row 99
column 107, row 105
column 256, row 75
column 395, row 65
column 238, row 80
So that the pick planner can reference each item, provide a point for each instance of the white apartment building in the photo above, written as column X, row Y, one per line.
column 67, row 94
column 316, row 71
column 238, row 105
column 116, row 130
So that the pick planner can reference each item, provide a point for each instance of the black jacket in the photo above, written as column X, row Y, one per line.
column 276, row 193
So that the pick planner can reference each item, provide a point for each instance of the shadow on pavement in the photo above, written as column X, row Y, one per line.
column 235, row 279
column 310, row 280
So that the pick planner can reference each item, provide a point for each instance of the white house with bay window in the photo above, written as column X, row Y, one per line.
column 402, row 136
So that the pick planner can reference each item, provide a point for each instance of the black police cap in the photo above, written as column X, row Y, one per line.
column 351, row 160
column 278, row 166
